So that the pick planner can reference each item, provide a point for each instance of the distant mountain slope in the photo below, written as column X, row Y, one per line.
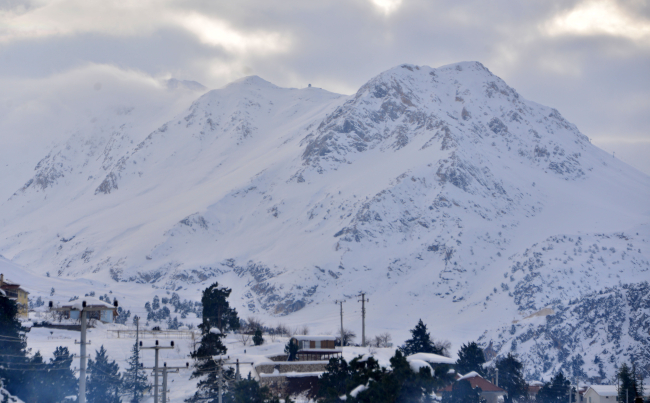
column 442, row 193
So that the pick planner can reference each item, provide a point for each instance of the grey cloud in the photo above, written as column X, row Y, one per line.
column 599, row 82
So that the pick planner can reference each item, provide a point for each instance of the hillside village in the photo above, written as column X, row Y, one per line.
column 247, row 361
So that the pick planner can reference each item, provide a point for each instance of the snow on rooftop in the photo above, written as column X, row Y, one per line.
column 90, row 302
column 604, row 390
column 472, row 374
column 431, row 358
column 314, row 338
column 3, row 293
column 417, row 364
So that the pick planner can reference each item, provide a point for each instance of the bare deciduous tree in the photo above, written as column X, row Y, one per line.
column 243, row 337
column 282, row 330
column 382, row 340
column 253, row 323
column 348, row 336
column 444, row 345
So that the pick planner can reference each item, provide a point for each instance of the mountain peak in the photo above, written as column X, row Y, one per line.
column 254, row 81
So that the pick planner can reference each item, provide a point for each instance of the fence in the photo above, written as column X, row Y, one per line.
column 153, row 334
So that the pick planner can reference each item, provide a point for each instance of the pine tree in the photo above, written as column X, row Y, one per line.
column 61, row 379
column 34, row 381
column 627, row 385
column 12, row 344
column 511, row 378
column 104, row 382
column 470, row 358
column 555, row 391
column 217, row 310
column 420, row 342
column 258, row 340
column 134, row 377
column 291, row 349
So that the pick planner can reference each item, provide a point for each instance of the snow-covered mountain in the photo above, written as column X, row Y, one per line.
column 441, row 193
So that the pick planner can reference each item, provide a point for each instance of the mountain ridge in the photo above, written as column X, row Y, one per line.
column 437, row 184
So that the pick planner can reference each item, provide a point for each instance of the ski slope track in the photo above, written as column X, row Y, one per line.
column 440, row 192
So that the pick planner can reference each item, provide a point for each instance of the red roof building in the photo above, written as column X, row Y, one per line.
column 489, row 391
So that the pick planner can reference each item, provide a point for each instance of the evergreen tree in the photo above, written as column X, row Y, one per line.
column 249, row 391
column 640, row 387
column 627, row 387
column 258, row 340
column 555, row 391
column 12, row 344
column 420, row 342
column 104, row 383
column 291, row 349
column 217, row 310
column 34, row 381
column 511, row 378
column 61, row 380
column 399, row 384
column 470, row 358
column 462, row 392
column 134, row 377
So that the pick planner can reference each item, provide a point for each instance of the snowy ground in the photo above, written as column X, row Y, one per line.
column 180, row 385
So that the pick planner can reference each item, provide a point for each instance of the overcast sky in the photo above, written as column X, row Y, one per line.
column 590, row 59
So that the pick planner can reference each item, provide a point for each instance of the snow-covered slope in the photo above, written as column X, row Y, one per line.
column 441, row 193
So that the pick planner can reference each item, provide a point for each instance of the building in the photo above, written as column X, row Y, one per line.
column 315, row 348
column 489, row 391
column 13, row 291
column 607, row 394
column 300, row 376
column 97, row 309
column 601, row 394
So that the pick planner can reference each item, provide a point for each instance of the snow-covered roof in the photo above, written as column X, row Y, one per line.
column 314, row 338
column 358, row 390
column 4, row 294
column 417, row 364
column 535, row 383
column 431, row 358
column 470, row 375
column 604, row 390
column 90, row 302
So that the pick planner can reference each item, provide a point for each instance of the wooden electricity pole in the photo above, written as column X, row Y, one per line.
column 363, row 301
column 340, row 302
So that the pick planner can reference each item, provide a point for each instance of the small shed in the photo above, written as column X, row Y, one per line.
column 315, row 348
column 96, row 309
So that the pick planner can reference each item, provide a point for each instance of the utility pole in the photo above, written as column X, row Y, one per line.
column 497, row 384
column 340, row 302
column 363, row 318
column 83, row 357
column 166, row 370
column 83, row 316
column 156, row 369
column 137, row 357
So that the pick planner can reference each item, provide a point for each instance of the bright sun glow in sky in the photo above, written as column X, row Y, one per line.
column 599, row 17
